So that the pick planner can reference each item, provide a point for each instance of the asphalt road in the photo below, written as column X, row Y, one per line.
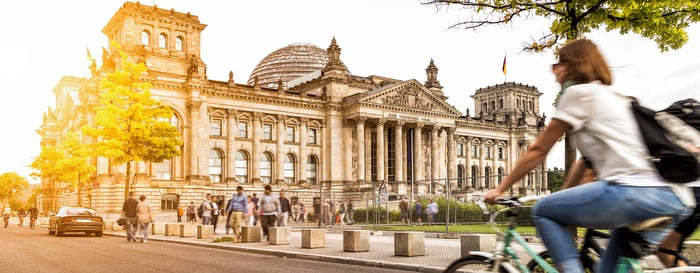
column 26, row 250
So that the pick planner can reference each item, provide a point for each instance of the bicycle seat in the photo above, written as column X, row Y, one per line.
column 657, row 223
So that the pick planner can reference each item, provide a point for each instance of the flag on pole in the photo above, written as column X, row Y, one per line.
column 504, row 65
column 89, row 56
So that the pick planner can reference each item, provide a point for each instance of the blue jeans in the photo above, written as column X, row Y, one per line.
column 601, row 205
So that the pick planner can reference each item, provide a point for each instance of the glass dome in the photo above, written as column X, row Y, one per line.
column 288, row 63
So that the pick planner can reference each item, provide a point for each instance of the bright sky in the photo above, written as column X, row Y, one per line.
column 47, row 39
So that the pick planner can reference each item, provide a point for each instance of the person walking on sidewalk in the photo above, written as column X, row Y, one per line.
column 302, row 213
column 180, row 212
column 403, row 206
column 350, row 210
column 270, row 209
column 238, row 206
column 431, row 210
column 256, row 209
column 191, row 213
column 206, row 210
column 285, row 208
column 418, row 212
column 341, row 211
column 129, row 215
column 144, row 217
column 250, row 212
column 214, row 213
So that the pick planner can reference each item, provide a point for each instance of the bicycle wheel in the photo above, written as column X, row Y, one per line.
column 472, row 263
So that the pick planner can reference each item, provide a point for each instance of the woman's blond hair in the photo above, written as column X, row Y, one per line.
column 585, row 62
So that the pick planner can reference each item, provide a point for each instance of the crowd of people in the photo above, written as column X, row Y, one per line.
column 21, row 215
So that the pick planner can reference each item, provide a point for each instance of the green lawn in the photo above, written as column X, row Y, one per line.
column 476, row 228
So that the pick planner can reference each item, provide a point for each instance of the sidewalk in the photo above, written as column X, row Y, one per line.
column 439, row 252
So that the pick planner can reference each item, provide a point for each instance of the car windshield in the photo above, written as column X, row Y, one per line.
column 76, row 212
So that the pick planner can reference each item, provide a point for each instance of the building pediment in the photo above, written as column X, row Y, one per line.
column 410, row 95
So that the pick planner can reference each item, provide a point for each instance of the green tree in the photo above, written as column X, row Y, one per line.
column 11, row 183
column 131, row 126
column 663, row 21
column 556, row 179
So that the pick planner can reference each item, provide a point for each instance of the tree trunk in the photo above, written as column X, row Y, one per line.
column 126, row 180
column 80, row 194
column 569, row 154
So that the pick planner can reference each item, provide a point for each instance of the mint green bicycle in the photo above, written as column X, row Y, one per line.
column 506, row 260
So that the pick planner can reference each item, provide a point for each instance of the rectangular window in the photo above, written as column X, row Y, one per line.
column 243, row 129
column 500, row 153
column 460, row 149
column 488, row 152
column 161, row 171
column 216, row 127
column 290, row 134
column 475, row 150
column 312, row 136
column 267, row 132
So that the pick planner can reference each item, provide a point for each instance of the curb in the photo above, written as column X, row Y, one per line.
column 302, row 255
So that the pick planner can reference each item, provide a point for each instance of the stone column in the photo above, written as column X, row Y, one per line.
column 360, row 122
column 231, row 132
column 194, row 139
column 303, row 154
column 257, row 134
column 398, row 151
column 434, row 155
column 368, row 155
column 380, row 150
column 281, row 133
column 451, row 157
column 418, row 153
column 482, row 163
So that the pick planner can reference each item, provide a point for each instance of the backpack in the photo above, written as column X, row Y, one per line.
column 672, row 161
column 200, row 210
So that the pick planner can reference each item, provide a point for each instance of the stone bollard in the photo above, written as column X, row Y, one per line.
column 477, row 242
column 313, row 238
column 409, row 244
column 280, row 235
column 187, row 230
column 355, row 240
column 172, row 230
column 157, row 228
column 205, row 231
column 251, row 234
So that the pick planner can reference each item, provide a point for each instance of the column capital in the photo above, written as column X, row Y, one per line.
column 232, row 113
column 360, row 119
column 381, row 122
column 194, row 105
column 258, row 115
column 304, row 121
column 419, row 125
column 400, row 123
column 281, row 118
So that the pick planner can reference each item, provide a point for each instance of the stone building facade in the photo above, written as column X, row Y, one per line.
column 321, row 133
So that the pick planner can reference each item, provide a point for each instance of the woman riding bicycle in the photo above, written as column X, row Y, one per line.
column 600, row 122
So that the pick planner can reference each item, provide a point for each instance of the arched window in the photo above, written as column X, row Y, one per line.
column 169, row 201
column 487, row 177
column 460, row 176
column 475, row 173
column 179, row 41
column 241, row 167
column 163, row 40
column 532, row 106
column 145, row 38
column 215, row 165
column 289, row 169
column 486, row 107
column 493, row 105
column 500, row 175
column 311, row 167
column 500, row 103
column 266, row 168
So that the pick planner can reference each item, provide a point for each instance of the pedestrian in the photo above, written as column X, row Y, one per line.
column 295, row 213
column 144, row 217
column 256, row 210
column 238, row 207
column 431, row 210
column 327, row 212
column 403, row 207
column 206, row 210
column 318, row 211
column 341, row 211
column 302, row 213
column 333, row 212
column 250, row 212
column 418, row 212
column 180, row 212
column 285, row 208
column 191, row 212
column 270, row 209
column 129, row 216
column 350, row 208
column 226, row 212
column 214, row 212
